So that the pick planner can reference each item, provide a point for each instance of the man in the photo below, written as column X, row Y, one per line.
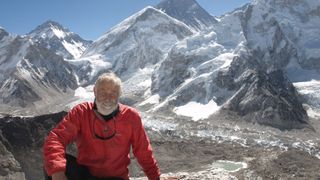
column 104, row 131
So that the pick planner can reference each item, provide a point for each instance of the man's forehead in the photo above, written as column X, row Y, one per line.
column 107, row 83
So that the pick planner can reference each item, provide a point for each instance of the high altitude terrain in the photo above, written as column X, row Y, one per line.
column 242, row 87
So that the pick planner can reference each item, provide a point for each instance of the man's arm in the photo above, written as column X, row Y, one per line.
column 56, row 142
column 143, row 151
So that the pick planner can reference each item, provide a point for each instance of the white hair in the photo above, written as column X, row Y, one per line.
column 109, row 77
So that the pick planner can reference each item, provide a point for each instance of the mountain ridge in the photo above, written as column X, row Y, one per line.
column 54, row 36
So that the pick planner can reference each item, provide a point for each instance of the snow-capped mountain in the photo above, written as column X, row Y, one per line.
column 138, row 42
column 234, row 63
column 261, row 55
column 188, row 75
column 59, row 39
column 32, row 76
column 188, row 12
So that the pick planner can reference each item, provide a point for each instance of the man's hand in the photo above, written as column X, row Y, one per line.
column 59, row 176
column 169, row 178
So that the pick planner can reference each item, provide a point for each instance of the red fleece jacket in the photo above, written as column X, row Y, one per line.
column 102, row 157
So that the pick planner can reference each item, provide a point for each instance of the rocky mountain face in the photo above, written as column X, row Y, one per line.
column 31, row 73
column 55, row 37
column 266, row 98
column 262, row 53
column 286, row 24
column 276, row 35
column 292, row 45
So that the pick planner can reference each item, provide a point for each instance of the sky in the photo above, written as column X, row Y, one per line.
column 88, row 18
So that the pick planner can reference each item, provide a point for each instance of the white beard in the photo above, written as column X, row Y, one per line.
column 106, row 108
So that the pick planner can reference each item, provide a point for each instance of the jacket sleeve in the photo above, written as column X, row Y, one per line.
column 142, row 150
column 54, row 147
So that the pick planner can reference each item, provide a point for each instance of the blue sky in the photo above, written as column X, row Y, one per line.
column 88, row 18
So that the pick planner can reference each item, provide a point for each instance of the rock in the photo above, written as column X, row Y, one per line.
column 9, row 167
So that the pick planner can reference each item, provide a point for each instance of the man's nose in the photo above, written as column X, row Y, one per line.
column 107, row 96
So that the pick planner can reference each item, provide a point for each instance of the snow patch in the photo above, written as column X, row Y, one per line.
column 82, row 94
column 59, row 33
column 229, row 166
column 310, row 90
column 85, row 93
column 76, row 49
column 155, row 99
column 197, row 110
column 96, row 62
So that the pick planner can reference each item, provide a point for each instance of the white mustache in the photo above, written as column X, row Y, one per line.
column 109, row 104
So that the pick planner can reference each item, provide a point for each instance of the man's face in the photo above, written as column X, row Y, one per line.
column 107, row 97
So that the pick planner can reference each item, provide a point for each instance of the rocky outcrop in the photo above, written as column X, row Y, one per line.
column 267, row 98
column 10, row 168
column 172, row 73
column 20, row 145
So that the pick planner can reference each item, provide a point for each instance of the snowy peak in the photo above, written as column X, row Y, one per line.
column 147, row 15
column 143, row 25
column 32, row 75
column 187, row 11
column 142, row 40
column 49, row 29
column 54, row 36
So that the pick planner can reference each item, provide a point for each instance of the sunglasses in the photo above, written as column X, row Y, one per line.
column 106, row 130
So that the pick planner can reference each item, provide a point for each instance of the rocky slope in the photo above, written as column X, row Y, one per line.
column 32, row 76
column 232, row 153
column 10, row 168
column 23, row 137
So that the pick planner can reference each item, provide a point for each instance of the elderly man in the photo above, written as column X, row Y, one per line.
column 104, row 131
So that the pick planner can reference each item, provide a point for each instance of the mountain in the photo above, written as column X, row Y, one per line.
column 138, row 42
column 59, row 39
column 284, row 35
column 256, row 64
column 188, row 12
column 248, row 56
column 32, row 76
